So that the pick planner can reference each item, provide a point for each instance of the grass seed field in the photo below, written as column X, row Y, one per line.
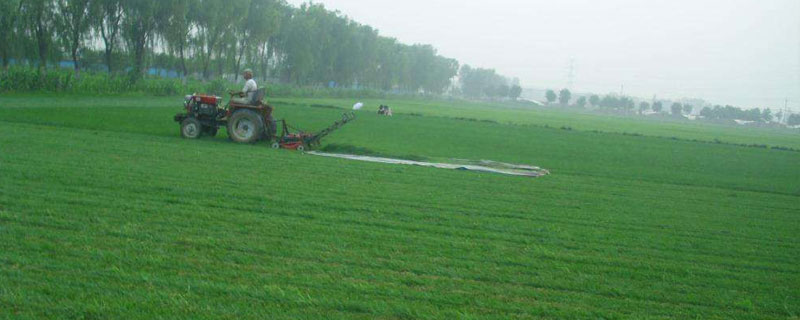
column 105, row 212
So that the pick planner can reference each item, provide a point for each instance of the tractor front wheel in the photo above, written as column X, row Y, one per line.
column 245, row 126
column 191, row 128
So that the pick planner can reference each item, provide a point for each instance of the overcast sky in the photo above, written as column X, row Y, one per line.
column 741, row 52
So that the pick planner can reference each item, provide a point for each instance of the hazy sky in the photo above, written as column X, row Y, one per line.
column 742, row 52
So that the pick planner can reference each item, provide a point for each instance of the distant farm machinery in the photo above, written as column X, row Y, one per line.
column 247, row 123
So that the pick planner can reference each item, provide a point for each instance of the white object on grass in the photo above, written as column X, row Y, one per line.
column 484, row 165
column 358, row 106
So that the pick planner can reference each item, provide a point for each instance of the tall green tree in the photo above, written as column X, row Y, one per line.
column 479, row 82
column 9, row 13
column 551, row 96
column 73, row 26
column 564, row 96
column 688, row 108
column 139, row 28
column 594, row 100
column 213, row 20
column 581, row 102
column 176, row 29
column 383, row 74
column 643, row 106
column 658, row 106
column 766, row 114
column 433, row 71
column 241, row 30
column 39, row 18
column 254, row 30
column 297, row 46
column 627, row 104
column 515, row 92
column 676, row 108
column 106, row 19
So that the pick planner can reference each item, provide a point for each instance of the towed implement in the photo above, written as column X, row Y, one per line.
column 301, row 140
column 246, row 122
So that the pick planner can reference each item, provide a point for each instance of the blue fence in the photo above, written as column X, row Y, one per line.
column 68, row 64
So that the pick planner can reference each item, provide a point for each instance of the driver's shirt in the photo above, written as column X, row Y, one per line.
column 250, row 86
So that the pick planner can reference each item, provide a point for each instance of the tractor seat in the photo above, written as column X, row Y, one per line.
column 258, row 96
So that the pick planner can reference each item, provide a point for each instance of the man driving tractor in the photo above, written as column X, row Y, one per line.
column 250, row 87
column 247, row 119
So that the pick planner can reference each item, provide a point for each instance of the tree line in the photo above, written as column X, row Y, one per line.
column 477, row 83
column 627, row 105
column 307, row 45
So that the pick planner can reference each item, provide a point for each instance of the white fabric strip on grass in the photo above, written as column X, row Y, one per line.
column 508, row 169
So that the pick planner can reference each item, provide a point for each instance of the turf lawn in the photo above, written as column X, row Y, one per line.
column 105, row 212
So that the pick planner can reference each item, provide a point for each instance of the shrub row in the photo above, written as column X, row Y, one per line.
column 26, row 79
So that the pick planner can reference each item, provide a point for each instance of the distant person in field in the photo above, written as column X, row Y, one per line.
column 385, row 110
column 250, row 87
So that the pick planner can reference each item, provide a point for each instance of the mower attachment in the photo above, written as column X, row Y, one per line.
column 300, row 140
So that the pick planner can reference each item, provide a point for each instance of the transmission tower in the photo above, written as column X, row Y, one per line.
column 785, row 115
column 571, row 74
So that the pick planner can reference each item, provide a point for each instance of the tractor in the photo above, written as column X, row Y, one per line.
column 246, row 123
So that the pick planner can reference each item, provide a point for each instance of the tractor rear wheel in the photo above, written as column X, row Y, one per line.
column 272, row 127
column 245, row 126
column 191, row 128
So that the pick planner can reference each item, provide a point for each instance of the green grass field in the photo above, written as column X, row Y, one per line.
column 105, row 212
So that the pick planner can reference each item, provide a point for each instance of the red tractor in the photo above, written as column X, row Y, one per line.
column 246, row 123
